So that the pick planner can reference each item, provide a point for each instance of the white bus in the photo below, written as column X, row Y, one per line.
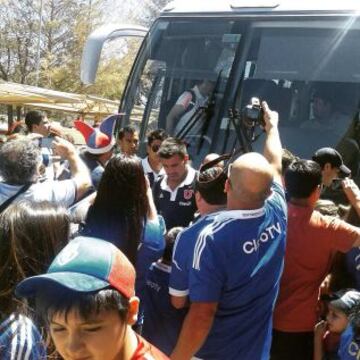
column 302, row 57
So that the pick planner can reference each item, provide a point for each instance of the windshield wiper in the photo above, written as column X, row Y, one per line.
column 149, row 105
column 209, row 111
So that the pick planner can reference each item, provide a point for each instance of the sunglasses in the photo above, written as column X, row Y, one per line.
column 155, row 148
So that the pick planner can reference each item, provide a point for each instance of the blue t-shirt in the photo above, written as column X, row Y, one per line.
column 353, row 265
column 183, row 256
column 162, row 322
column 349, row 349
column 150, row 250
column 238, row 261
column 95, row 168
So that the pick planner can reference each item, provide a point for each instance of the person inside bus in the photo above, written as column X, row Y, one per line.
column 186, row 107
column 324, row 115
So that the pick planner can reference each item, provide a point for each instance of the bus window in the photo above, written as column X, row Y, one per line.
column 310, row 76
column 148, row 95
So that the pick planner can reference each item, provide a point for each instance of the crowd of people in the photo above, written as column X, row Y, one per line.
column 106, row 256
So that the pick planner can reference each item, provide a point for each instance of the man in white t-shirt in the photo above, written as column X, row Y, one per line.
column 186, row 106
column 20, row 161
column 37, row 123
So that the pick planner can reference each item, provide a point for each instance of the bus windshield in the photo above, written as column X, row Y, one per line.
column 184, row 69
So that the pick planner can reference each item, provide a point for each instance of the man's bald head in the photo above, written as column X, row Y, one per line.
column 250, row 178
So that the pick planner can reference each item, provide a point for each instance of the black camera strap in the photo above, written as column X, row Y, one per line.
column 8, row 202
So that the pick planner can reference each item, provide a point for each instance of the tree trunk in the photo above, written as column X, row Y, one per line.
column 18, row 113
column 10, row 115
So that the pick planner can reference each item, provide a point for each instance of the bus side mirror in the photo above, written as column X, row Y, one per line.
column 93, row 46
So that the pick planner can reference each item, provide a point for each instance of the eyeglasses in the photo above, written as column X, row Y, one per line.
column 155, row 148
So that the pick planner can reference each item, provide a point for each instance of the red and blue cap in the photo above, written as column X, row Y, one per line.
column 85, row 265
column 98, row 140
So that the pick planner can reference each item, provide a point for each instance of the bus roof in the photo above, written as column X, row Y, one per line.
column 264, row 7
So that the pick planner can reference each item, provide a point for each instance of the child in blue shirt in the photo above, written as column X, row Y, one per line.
column 350, row 339
column 162, row 322
column 327, row 333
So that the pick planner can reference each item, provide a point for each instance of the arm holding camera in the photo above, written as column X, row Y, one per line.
column 352, row 192
column 272, row 148
column 79, row 172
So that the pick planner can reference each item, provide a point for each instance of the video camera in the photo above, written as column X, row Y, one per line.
column 336, row 183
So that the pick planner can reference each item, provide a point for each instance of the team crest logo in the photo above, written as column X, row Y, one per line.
column 68, row 254
column 188, row 193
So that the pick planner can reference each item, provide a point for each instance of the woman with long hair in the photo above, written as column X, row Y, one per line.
column 124, row 213
column 31, row 234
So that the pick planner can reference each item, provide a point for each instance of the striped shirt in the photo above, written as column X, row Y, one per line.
column 20, row 339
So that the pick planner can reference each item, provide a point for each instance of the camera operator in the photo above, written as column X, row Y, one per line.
column 333, row 172
column 39, row 127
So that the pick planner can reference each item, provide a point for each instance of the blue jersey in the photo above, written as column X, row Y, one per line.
column 353, row 265
column 183, row 256
column 349, row 349
column 162, row 322
column 95, row 167
column 150, row 249
column 238, row 261
column 177, row 206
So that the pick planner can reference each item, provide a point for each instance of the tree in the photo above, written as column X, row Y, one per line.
column 114, row 71
column 66, row 25
column 17, row 40
column 19, row 33
column 152, row 9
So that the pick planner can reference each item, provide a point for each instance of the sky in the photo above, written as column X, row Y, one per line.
column 125, row 10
